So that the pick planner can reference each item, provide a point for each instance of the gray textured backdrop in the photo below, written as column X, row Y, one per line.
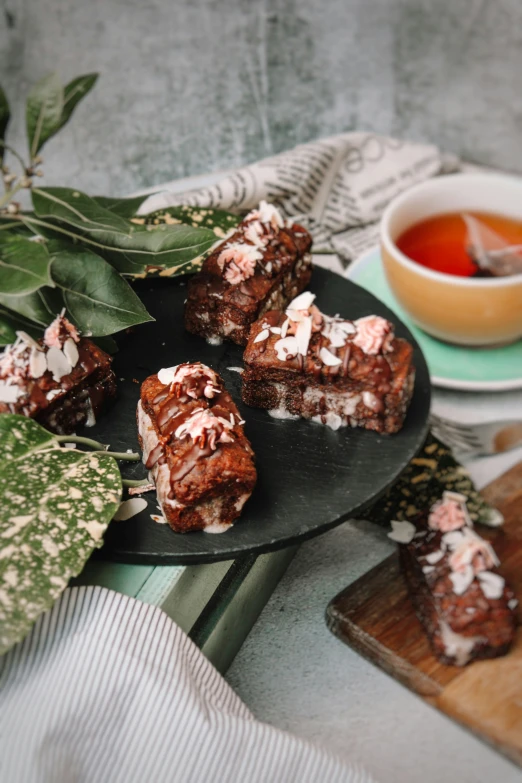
column 189, row 87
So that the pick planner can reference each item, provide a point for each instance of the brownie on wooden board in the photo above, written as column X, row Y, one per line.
column 459, row 596
column 263, row 265
column 63, row 381
column 195, row 448
column 338, row 372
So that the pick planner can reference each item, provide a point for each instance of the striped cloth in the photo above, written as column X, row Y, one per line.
column 106, row 688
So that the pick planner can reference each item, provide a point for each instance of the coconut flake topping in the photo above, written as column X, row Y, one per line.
column 268, row 214
column 203, row 427
column 27, row 360
column 59, row 331
column 195, row 380
column 402, row 532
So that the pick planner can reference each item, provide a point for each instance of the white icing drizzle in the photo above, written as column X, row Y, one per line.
column 456, row 645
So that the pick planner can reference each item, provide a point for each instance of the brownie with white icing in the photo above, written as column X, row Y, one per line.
column 261, row 266
column 63, row 381
column 337, row 372
column 195, row 448
column 452, row 576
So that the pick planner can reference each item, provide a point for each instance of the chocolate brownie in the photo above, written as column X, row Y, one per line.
column 260, row 267
column 195, row 448
column 459, row 596
column 63, row 381
column 336, row 372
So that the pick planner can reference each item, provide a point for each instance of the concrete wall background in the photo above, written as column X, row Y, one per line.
column 190, row 86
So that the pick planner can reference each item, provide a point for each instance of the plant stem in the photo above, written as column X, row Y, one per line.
column 84, row 441
column 121, row 455
column 135, row 483
column 6, row 198
column 99, row 448
column 15, row 153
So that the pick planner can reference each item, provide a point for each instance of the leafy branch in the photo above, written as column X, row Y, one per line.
column 76, row 251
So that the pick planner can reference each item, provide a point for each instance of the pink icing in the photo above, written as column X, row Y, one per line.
column 374, row 334
column 59, row 331
column 206, row 428
column 472, row 552
column 447, row 515
column 240, row 262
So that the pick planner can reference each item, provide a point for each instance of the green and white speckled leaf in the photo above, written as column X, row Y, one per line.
column 218, row 221
column 56, row 504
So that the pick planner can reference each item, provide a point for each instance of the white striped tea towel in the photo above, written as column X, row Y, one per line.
column 108, row 689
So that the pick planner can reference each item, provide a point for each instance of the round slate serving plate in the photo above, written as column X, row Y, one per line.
column 309, row 477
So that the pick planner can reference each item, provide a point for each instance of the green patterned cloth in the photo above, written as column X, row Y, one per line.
column 427, row 476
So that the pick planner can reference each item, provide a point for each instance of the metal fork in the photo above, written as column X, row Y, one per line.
column 480, row 439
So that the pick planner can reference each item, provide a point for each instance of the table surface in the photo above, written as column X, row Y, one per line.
column 293, row 673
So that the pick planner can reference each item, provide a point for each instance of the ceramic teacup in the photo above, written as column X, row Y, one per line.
column 463, row 310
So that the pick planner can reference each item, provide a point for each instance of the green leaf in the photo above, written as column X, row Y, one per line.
column 5, row 115
column 124, row 207
column 43, row 112
column 40, row 306
column 11, row 322
column 217, row 220
column 24, row 265
column 56, row 505
column 11, row 226
column 7, row 332
column 107, row 344
column 128, row 247
column 98, row 299
column 74, row 92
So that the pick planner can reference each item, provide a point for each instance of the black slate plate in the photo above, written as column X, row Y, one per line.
column 309, row 477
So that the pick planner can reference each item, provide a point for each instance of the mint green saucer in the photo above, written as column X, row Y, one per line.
column 451, row 366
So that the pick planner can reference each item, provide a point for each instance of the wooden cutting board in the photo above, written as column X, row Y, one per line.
column 374, row 616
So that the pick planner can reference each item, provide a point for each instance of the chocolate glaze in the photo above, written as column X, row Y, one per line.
column 213, row 302
column 85, row 390
column 171, row 408
column 387, row 377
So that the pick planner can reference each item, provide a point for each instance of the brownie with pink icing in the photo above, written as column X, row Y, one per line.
column 454, row 583
column 261, row 266
column 195, row 448
column 334, row 371
column 63, row 381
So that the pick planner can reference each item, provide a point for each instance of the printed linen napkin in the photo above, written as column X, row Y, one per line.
column 337, row 187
